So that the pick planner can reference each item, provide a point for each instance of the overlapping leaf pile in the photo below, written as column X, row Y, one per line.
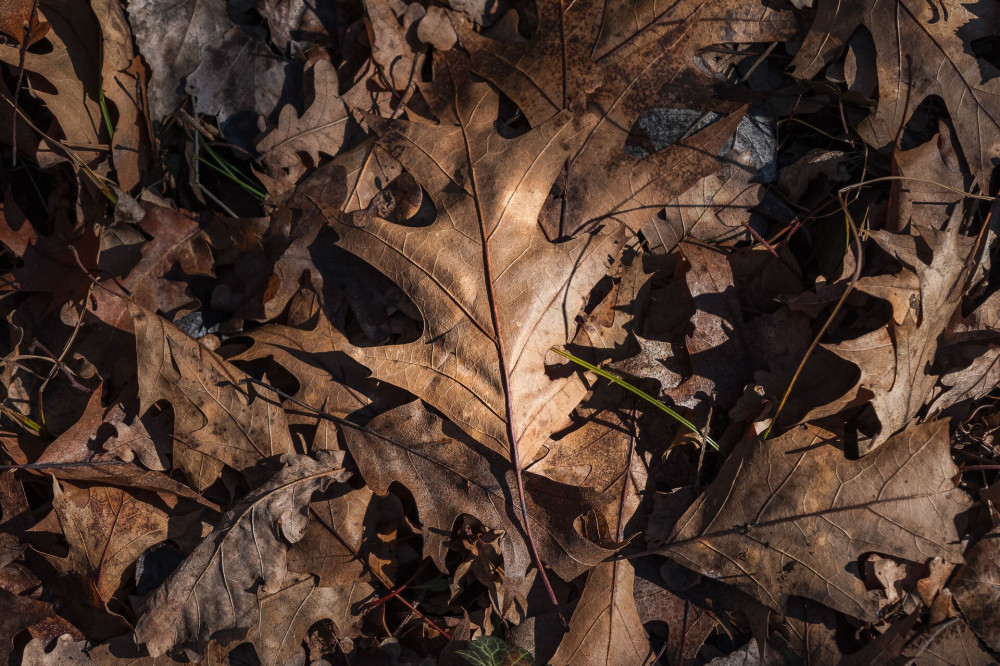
column 282, row 284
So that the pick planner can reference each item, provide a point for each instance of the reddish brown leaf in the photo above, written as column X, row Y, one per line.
column 901, row 500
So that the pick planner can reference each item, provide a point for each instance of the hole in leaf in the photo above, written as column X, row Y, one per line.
column 511, row 121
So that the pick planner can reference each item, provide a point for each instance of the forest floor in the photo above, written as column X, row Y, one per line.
column 499, row 332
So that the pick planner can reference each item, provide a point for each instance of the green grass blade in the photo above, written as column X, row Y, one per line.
column 642, row 394
column 227, row 174
column 105, row 115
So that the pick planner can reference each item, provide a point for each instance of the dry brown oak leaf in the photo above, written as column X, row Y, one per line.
column 449, row 476
column 108, row 528
column 787, row 516
column 130, row 144
column 67, row 78
column 319, row 130
column 976, row 588
column 236, row 579
column 896, row 361
column 600, row 56
column 923, row 49
column 172, row 42
column 494, row 293
column 219, row 420
column 606, row 629
column 154, row 269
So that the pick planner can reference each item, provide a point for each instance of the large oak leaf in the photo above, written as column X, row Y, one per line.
column 925, row 295
column 494, row 293
column 790, row 515
column 229, row 583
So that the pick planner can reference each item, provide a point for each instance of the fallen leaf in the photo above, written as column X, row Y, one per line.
column 337, row 540
column 17, row 613
column 605, row 627
column 177, row 240
column 953, row 644
column 283, row 618
column 713, row 210
column 976, row 588
column 714, row 345
column 398, row 63
column 808, row 633
column 449, row 477
column 903, row 385
column 219, row 420
column 318, row 131
column 107, row 528
column 130, row 147
column 67, row 77
column 237, row 74
column 900, row 500
column 581, row 68
column 923, row 197
column 66, row 651
column 921, row 52
column 224, row 584
column 481, row 360
column 298, row 21
column 172, row 44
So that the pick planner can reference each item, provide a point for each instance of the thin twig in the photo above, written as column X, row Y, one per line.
column 933, row 637
column 22, row 55
column 378, row 575
column 859, row 260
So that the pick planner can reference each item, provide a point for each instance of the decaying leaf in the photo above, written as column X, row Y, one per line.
column 123, row 88
column 449, row 477
column 239, row 570
column 921, row 52
column 16, row 18
column 219, row 420
column 17, row 613
column 172, row 44
column 976, row 588
column 236, row 74
column 602, row 65
column 903, row 384
column 605, row 628
column 65, row 651
column 481, row 357
column 107, row 528
column 320, row 130
column 69, row 76
column 901, row 500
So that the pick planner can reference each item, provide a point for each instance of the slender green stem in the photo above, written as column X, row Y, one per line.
column 226, row 173
column 106, row 115
column 642, row 394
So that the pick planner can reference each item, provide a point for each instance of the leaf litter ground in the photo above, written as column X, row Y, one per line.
column 300, row 303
